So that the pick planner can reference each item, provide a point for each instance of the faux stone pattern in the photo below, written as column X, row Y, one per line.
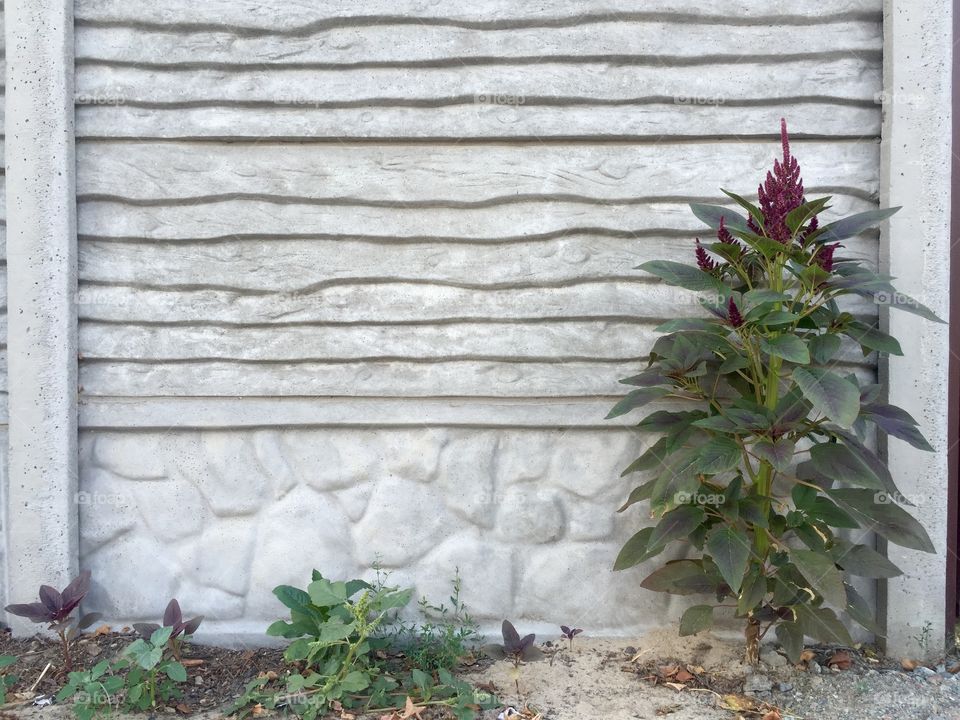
column 218, row 518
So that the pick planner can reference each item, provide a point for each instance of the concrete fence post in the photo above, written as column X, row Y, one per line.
column 915, row 248
column 41, row 523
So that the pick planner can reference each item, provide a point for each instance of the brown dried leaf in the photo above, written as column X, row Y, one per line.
column 807, row 655
column 668, row 670
column 183, row 709
column 773, row 715
column 840, row 660
column 908, row 664
column 102, row 630
column 192, row 662
column 683, row 676
column 412, row 711
column 676, row 686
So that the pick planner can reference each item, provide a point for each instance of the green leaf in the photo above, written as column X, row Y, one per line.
column 648, row 378
column 355, row 681
column 863, row 561
column 902, row 301
column 639, row 494
column 636, row 550
column 791, row 638
column 752, row 209
column 324, row 593
column 293, row 598
column 676, row 524
column 695, row 619
column 730, row 550
column 334, row 631
column 717, row 456
column 824, row 347
column 160, row 636
column 636, row 399
column 733, row 363
column 861, row 613
column 685, row 276
column 832, row 395
column 800, row 216
column 823, row 624
column 752, row 593
column 789, row 347
column 681, row 577
column 701, row 324
column 711, row 214
column 822, row 574
column 840, row 463
column 176, row 672
column 779, row 453
column 877, row 513
column 872, row 339
column 827, row 512
column 853, row 225
column 653, row 457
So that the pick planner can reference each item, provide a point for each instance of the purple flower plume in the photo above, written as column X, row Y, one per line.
column 782, row 192
column 824, row 256
column 733, row 313
column 704, row 261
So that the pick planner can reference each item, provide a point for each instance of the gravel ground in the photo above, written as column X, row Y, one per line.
column 658, row 675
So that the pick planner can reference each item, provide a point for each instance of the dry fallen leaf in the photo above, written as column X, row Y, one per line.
column 840, row 660
column 192, row 662
column 909, row 664
column 683, row 676
column 102, row 630
column 807, row 655
column 412, row 711
column 183, row 709
column 696, row 669
column 668, row 670
column 954, row 669
column 773, row 715
column 258, row 709
column 737, row 703
column 676, row 686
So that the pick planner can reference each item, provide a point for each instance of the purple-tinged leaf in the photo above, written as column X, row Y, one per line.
column 52, row 600
column 87, row 620
column 36, row 612
column 77, row 589
column 172, row 615
column 146, row 629
column 190, row 627
column 511, row 638
column 853, row 225
column 897, row 423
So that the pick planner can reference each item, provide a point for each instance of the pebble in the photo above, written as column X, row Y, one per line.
column 773, row 658
column 924, row 672
column 785, row 687
column 815, row 667
column 757, row 684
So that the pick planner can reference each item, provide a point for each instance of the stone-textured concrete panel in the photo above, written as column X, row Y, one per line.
column 516, row 537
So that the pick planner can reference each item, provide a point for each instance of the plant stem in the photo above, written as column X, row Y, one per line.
column 752, row 636
column 67, row 660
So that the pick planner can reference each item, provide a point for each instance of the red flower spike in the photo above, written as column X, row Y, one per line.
column 824, row 256
column 733, row 313
column 723, row 235
column 782, row 192
column 704, row 261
